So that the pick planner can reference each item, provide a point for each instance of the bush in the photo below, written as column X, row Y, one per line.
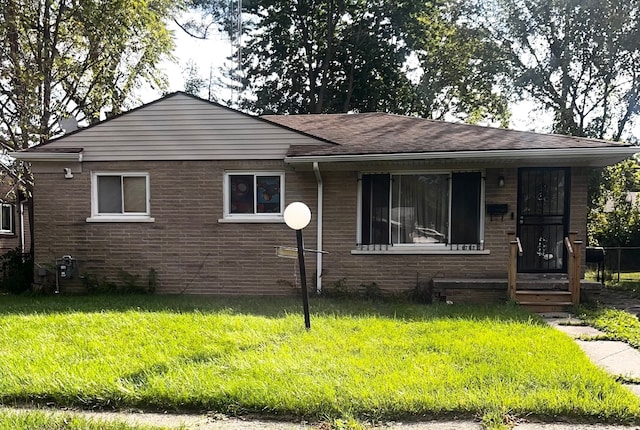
column 17, row 271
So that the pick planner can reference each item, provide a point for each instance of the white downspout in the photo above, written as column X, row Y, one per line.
column 316, row 170
column 21, row 215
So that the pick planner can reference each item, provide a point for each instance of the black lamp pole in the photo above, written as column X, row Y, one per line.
column 303, row 280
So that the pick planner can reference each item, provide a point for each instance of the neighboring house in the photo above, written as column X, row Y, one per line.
column 14, row 214
column 632, row 197
column 196, row 191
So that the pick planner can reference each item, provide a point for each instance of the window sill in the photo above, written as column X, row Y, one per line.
column 252, row 220
column 121, row 219
column 7, row 233
column 419, row 251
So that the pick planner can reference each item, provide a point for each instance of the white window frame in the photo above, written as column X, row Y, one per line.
column 411, row 248
column 119, row 217
column 11, row 219
column 255, row 217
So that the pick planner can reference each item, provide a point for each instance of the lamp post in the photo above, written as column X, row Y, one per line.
column 297, row 216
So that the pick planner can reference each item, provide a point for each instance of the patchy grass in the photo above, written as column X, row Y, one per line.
column 629, row 281
column 619, row 325
column 41, row 420
column 366, row 360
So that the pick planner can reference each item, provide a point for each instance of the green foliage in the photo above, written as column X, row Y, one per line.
column 418, row 58
column 612, row 219
column 75, row 59
column 461, row 66
column 17, row 271
column 577, row 59
column 365, row 361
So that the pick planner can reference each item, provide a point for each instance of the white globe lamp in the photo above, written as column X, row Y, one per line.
column 297, row 215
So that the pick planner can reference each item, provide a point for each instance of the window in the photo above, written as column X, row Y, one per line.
column 120, row 197
column 421, row 209
column 6, row 218
column 254, row 195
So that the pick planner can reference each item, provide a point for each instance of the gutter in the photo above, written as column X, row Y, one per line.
column 505, row 154
column 316, row 170
column 47, row 156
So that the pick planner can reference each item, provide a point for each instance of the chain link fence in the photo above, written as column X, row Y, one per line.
column 618, row 264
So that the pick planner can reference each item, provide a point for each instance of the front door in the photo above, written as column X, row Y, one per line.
column 543, row 218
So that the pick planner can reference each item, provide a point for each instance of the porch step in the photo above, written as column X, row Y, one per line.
column 544, row 300
column 551, row 283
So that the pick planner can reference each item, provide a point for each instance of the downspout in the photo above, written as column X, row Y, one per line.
column 316, row 170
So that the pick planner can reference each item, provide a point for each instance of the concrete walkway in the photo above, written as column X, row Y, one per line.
column 617, row 358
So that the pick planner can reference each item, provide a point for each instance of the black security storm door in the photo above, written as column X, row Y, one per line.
column 543, row 218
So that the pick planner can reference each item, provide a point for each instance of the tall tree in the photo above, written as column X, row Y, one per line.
column 69, row 58
column 464, row 71
column 319, row 56
column 578, row 58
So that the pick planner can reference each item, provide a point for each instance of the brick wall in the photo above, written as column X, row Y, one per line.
column 192, row 252
column 395, row 273
column 186, row 245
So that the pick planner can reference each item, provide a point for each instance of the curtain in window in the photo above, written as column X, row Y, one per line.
column 420, row 208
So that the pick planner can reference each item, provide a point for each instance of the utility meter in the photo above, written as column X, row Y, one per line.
column 65, row 266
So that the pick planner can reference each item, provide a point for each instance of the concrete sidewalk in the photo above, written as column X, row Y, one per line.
column 617, row 358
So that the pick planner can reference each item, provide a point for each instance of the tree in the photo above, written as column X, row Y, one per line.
column 462, row 67
column 320, row 56
column 578, row 58
column 614, row 220
column 63, row 58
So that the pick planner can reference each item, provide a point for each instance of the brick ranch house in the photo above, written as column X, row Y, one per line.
column 196, row 191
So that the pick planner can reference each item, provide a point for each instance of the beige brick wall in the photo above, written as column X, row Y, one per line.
column 186, row 245
column 192, row 252
column 396, row 273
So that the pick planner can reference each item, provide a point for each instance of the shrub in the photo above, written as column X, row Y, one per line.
column 17, row 271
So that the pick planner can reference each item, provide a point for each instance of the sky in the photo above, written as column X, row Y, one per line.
column 210, row 55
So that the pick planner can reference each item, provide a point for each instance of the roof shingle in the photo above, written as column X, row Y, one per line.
column 382, row 133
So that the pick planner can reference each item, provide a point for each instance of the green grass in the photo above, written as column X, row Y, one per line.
column 40, row 420
column 617, row 324
column 629, row 281
column 366, row 360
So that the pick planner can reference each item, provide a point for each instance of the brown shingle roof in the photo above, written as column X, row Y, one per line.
column 380, row 133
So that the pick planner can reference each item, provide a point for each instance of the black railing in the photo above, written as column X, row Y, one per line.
column 449, row 246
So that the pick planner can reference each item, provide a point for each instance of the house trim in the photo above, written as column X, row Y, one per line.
column 47, row 156
column 598, row 156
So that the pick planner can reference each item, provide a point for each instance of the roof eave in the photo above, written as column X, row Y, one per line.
column 47, row 156
column 601, row 156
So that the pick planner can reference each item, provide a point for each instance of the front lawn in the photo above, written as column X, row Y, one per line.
column 252, row 355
